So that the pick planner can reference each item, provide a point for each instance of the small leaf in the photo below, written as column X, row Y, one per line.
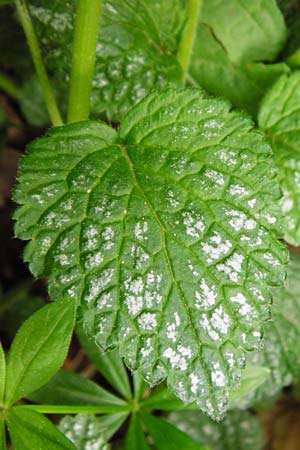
column 249, row 31
column 85, row 431
column 252, row 378
column 135, row 438
column 110, row 365
column 166, row 233
column 244, row 84
column 68, row 388
column 2, row 375
column 238, row 431
column 37, row 352
column 33, row 105
column 279, row 117
column 30, row 430
column 167, row 437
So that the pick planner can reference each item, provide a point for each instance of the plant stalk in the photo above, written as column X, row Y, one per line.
column 188, row 36
column 86, row 31
column 8, row 86
column 34, row 48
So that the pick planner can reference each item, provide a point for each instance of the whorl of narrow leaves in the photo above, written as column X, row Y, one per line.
column 279, row 117
column 165, row 233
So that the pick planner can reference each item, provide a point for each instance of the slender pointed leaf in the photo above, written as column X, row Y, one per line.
column 3, row 445
column 139, row 386
column 30, row 430
column 135, row 438
column 68, row 388
column 2, row 374
column 39, row 349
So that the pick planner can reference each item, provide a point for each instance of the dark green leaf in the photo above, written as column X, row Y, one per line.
column 279, row 117
column 167, row 234
column 30, row 430
column 110, row 365
column 291, row 12
column 2, row 435
column 135, row 438
column 85, row 431
column 167, row 437
column 136, row 49
column 68, row 388
column 39, row 349
column 243, row 84
column 238, row 431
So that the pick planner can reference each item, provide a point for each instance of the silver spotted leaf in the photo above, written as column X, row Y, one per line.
column 279, row 117
column 166, row 234
column 85, row 431
column 238, row 431
column 136, row 49
column 282, row 340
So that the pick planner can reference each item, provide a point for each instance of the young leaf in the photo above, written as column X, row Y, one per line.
column 135, row 438
column 167, row 437
column 256, row 30
column 239, row 430
column 2, row 374
column 282, row 340
column 39, row 349
column 244, row 84
column 279, row 117
column 30, row 430
column 136, row 49
column 85, row 431
column 110, row 365
column 166, row 234
column 68, row 388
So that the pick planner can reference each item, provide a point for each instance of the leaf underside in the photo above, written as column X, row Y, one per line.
column 166, row 234
column 279, row 117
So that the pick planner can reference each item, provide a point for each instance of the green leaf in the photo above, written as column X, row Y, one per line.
column 2, row 435
column 249, row 31
column 136, row 49
column 135, row 438
column 85, row 431
column 37, row 352
column 68, row 388
column 166, row 233
column 139, row 386
column 110, row 365
column 279, row 117
column 239, row 430
column 167, row 437
column 252, row 378
column 30, row 430
column 33, row 105
column 243, row 84
column 282, row 340
column 2, row 374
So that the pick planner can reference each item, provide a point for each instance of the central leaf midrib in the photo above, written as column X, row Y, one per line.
column 163, row 232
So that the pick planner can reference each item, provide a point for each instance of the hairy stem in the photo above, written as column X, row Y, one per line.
column 80, row 409
column 83, row 58
column 8, row 86
column 34, row 48
column 188, row 36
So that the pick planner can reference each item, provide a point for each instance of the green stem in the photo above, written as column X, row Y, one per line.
column 7, row 85
column 83, row 58
column 27, row 25
column 72, row 409
column 188, row 36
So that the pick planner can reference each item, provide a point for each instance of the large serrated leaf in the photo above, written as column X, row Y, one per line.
column 238, row 431
column 136, row 49
column 279, row 117
column 165, row 233
column 282, row 340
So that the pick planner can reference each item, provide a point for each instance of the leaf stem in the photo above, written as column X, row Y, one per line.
column 80, row 409
column 8, row 86
column 188, row 36
column 86, row 31
column 34, row 48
